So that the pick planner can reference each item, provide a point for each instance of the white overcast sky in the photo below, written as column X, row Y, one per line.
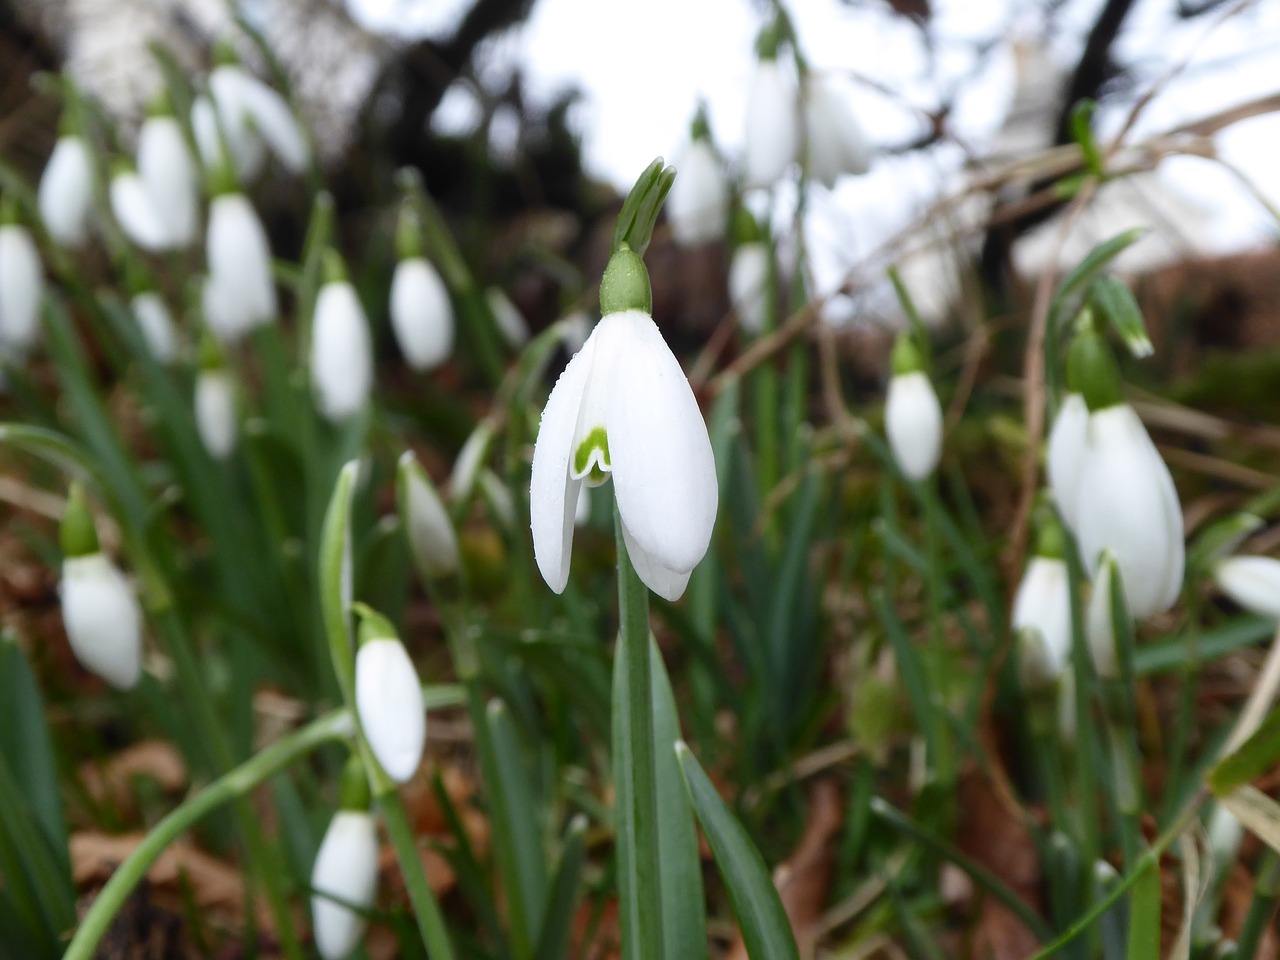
column 643, row 67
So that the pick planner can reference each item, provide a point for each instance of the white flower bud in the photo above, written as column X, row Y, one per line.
column 421, row 314
column 341, row 353
column 837, row 144
column 773, row 127
column 1252, row 582
column 216, row 416
column 389, row 702
column 251, row 110
column 66, row 191
column 103, row 620
column 431, row 535
column 167, row 168
column 21, row 288
column 913, row 421
column 1066, row 454
column 345, row 872
column 156, row 324
column 1042, row 607
column 135, row 211
column 749, row 285
column 240, row 288
column 698, row 205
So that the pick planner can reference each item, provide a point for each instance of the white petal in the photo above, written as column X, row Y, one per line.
column 1252, row 582
column 275, row 122
column 1127, row 503
column 389, row 702
column 1066, row 454
column 837, row 144
column 698, row 205
column 66, row 191
column 1043, row 603
column 913, row 422
column 104, row 623
column 156, row 323
column 553, row 494
column 431, row 535
column 215, row 410
column 749, row 285
column 166, row 167
column 21, row 287
column 773, row 129
column 664, row 473
column 204, row 127
column 135, row 211
column 511, row 322
column 582, row 511
column 242, row 139
column 341, row 352
column 240, row 261
column 665, row 582
column 346, row 868
column 471, row 458
column 1099, row 625
column 421, row 314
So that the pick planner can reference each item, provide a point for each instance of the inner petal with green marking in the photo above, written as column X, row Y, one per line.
column 591, row 458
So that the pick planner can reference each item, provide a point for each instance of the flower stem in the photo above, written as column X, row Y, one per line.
column 1266, row 892
column 230, row 786
column 425, row 906
column 635, row 769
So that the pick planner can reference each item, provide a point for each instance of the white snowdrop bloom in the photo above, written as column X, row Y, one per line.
column 341, row 352
column 167, row 168
column 432, row 539
column 216, row 414
column 250, row 110
column 239, row 259
column 21, row 288
column 135, row 211
column 421, row 314
column 156, row 323
column 66, row 191
column 1043, row 605
column 1099, row 624
column 773, row 126
column 1127, row 503
column 913, row 422
column 345, row 872
column 698, row 204
column 103, row 620
column 1066, row 454
column 749, row 285
column 623, row 408
column 511, row 322
column 1252, row 582
column 836, row 143
column 389, row 702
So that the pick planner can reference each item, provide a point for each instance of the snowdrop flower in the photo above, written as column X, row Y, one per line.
column 1042, row 608
column 773, row 129
column 136, row 212
column 421, row 314
column 1125, row 501
column 169, row 172
column 749, row 285
column 389, row 701
column 622, row 408
column 835, row 141
column 238, row 147
column 432, row 539
column 240, row 293
column 912, row 414
column 341, row 348
column 99, row 606
column 21, row 288
column 215, row 403
column 345, row 873
column 1252, row 582
column 249, row 110
column 156, row 323
column 698, row 204
column 1066, row 453
column 511, row 322
column 66, row 191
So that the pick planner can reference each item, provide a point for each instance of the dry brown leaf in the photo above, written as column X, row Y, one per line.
column 111, row 782
column 804, row 877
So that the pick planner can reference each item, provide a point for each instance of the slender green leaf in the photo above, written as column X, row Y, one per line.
column 766, row 931
column 562, row 903
column 1144, row 917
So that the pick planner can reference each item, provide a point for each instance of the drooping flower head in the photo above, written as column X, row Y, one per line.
column 341, row 346
column 240, row 292
column 388, row 697
column 623, row 410
column 698, row 205
column 65, row 196
column 1042, row 610
column 835, row 143
column 772, row 140
column 344, row 878
column 21, row 287
column 168, row 169
column 912, row 414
